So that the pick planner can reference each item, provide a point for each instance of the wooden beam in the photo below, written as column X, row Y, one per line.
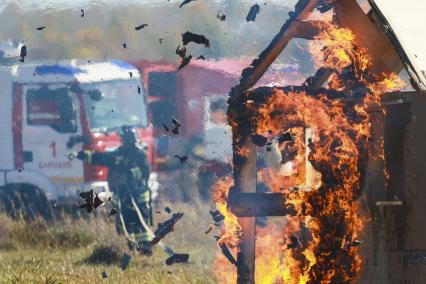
column 245, row 166
column 245, row 182
column 321, row 76
column 368, row 35
column 254, row 72
column 306, row 29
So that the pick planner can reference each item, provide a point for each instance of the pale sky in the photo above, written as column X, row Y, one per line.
column 31, row 5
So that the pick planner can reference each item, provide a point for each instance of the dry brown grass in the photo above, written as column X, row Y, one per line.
column 37, row 252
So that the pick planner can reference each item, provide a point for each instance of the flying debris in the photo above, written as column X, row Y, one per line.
column 185, row 2
column 141, row 27
column 221, row 16
column 181, row 51
column 41, row 28
column 201, row 57
column 259, row 140
column 227, row 253
column 94, row 200
column 112, row 212
column 181, row 159
column 185, row 61
column 177, row 258
column 168, row 210
column 166, row 128
column 252, row 14
column 82, row 13
column 160, row 40
column 284, row 137
column 188, row 37
column 209, row 229
column 124, row 45
column 177, row 125
column 217, row 217
column 166, row 227
column 176, row 128
column 23, row 53
column 125, row 261
column 87, row 196
column 101, row 198
column 104, row 275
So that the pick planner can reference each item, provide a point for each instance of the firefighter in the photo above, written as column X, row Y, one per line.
column 128, row 174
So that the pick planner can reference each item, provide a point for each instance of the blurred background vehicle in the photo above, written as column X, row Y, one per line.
column 51, row 109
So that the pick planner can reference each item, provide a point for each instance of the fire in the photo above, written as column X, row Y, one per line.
column 230, row 231
column 334, row 154
column 316, row 245
column 268, row 247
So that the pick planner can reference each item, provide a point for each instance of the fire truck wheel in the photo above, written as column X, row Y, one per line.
column 25, row 200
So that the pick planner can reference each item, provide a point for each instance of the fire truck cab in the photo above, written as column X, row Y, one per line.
column 48, row 110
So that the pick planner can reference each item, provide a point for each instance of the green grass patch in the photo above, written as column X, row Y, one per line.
column 79, row 250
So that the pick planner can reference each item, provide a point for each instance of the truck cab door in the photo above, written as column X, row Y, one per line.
column 50, row 117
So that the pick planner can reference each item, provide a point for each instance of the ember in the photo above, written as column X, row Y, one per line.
column 177, row 258
column 166, row 227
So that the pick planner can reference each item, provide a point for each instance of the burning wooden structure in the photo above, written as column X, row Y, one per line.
column 365, row 149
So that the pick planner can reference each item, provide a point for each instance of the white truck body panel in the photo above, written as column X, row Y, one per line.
column 49, row 148
column 407, row 21
column 49, row 169
column 6, row 137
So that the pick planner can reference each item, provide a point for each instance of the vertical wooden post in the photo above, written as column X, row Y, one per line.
column 245, row 181
column 245, row 167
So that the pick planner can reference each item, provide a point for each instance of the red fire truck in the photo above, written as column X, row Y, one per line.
column 189, row 94
column 197, row 96
column 47, row 110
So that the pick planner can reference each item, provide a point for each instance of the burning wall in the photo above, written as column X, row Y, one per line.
column 320, row 241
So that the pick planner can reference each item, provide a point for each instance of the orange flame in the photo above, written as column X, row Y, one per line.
column 334, row 153
column 327, row 218
column 231, row 229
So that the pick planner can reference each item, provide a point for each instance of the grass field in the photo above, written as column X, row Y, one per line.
column 37, row 252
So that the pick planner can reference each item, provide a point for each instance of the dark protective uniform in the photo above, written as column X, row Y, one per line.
column 128, row 173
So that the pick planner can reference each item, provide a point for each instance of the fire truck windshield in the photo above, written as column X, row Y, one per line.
column 111, row 104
